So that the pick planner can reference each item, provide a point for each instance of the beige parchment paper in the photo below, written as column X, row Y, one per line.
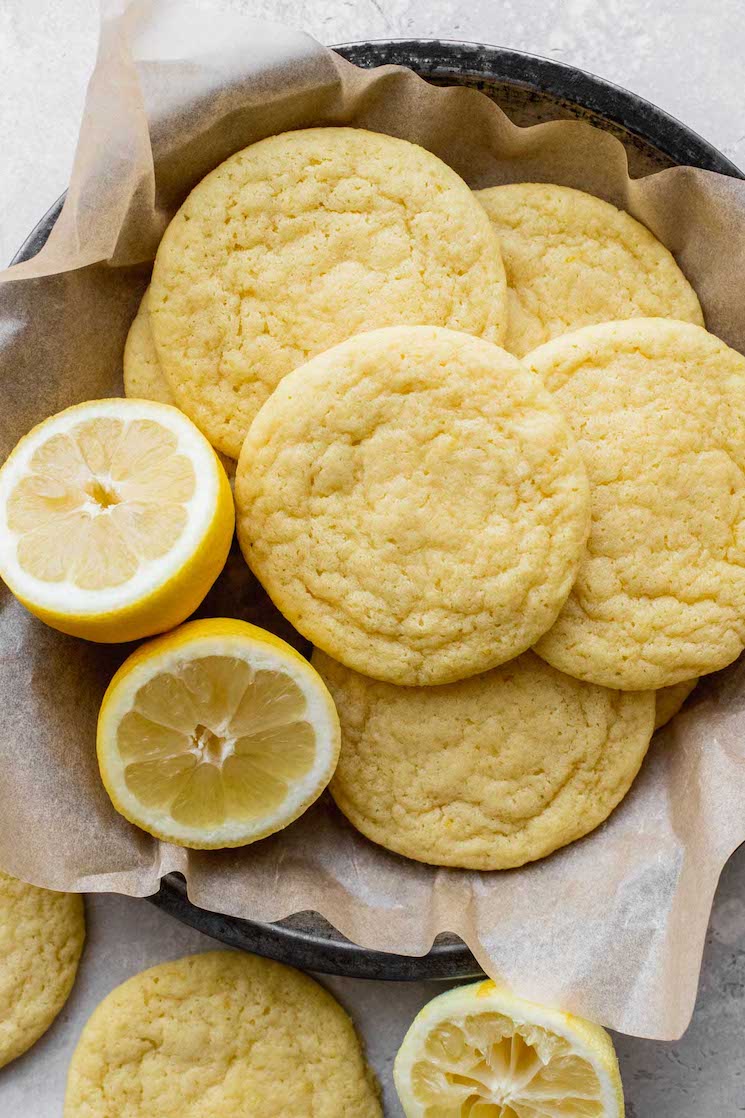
column 611, row 927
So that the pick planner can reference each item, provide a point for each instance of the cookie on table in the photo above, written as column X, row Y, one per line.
column 572, row 260
column 669, row 701
column 300, row 241
column 656, row 407
column 487, row 773
column 41, row 938
column 143, row 376
column 414, row 503
column 224, row 1033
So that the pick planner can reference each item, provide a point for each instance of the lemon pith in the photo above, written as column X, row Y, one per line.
column 115, row 519
column 216, row 735
column 478, row 1051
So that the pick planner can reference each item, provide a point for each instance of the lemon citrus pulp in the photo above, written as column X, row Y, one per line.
column 216, row 734
column 115, row 519
column 480, row 1052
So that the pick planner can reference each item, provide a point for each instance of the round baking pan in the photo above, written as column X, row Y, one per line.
column 530, row 90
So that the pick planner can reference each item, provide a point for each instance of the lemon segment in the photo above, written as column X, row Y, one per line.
column 115, row 519
column 480, row 1052
column 216, row 735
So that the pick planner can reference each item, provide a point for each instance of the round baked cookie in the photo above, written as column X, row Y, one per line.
column 656, row 406
column 41, row 938
column 669, row 700
column 143, row 377
column 223, row 1033
column 414, row 503
column 300, row 241
column 572, row 259
column 488, row 773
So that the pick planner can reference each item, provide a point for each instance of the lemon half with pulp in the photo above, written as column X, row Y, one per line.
column 115, row 519
column 480, row 1052
column 216, row 735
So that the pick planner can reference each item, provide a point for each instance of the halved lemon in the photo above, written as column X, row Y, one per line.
column 480, row 1052
column 115, row 519
column 216, row 734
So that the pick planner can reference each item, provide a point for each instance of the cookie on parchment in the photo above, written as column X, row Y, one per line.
column 300, row 241
column 487, row 773
column 414, row 503
column 572, row 259
column 656, row 407
column 225, row 1034
column 41, row 938
column 669, row 701
column 143, row 376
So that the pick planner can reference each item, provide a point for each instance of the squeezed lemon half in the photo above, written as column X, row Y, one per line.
column 115, row 519
column 216, row 735
column 480, row 1052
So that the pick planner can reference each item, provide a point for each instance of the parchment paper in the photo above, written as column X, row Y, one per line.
column 611, row 927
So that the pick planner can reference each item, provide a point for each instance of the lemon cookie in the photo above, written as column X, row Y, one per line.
column 143, row 377
column 224, row 1033
column 414, row 503
column 487, row 773
column 656, row 406
column 41, row 938
column 669, row 701
column 300, row 241
column 572, row 259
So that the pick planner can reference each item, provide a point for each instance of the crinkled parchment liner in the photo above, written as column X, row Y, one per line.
column 611, row 927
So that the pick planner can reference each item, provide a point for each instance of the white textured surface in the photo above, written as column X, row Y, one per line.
column 688, row 56
column 685, row 55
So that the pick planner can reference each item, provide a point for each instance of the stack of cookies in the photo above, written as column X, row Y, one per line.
column 489, row 462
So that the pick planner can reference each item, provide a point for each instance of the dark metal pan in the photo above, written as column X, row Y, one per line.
column 530, row 90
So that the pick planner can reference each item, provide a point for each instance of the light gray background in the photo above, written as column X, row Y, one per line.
column 688, row 56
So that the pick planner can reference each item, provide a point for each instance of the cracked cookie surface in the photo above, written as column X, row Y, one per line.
column 414, row 503
column 300, row 241
column 41, row 938
column 224, row 1034
column 144, row 378
column 488, row 773
column 656, row 407
column 572, row 259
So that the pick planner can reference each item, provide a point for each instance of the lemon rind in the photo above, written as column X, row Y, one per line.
column 220, row 636
column 589, row 1041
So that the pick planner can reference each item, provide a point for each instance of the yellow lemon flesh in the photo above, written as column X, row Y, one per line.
column 480, row 1052
column 216, row 735
column 115, row 519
